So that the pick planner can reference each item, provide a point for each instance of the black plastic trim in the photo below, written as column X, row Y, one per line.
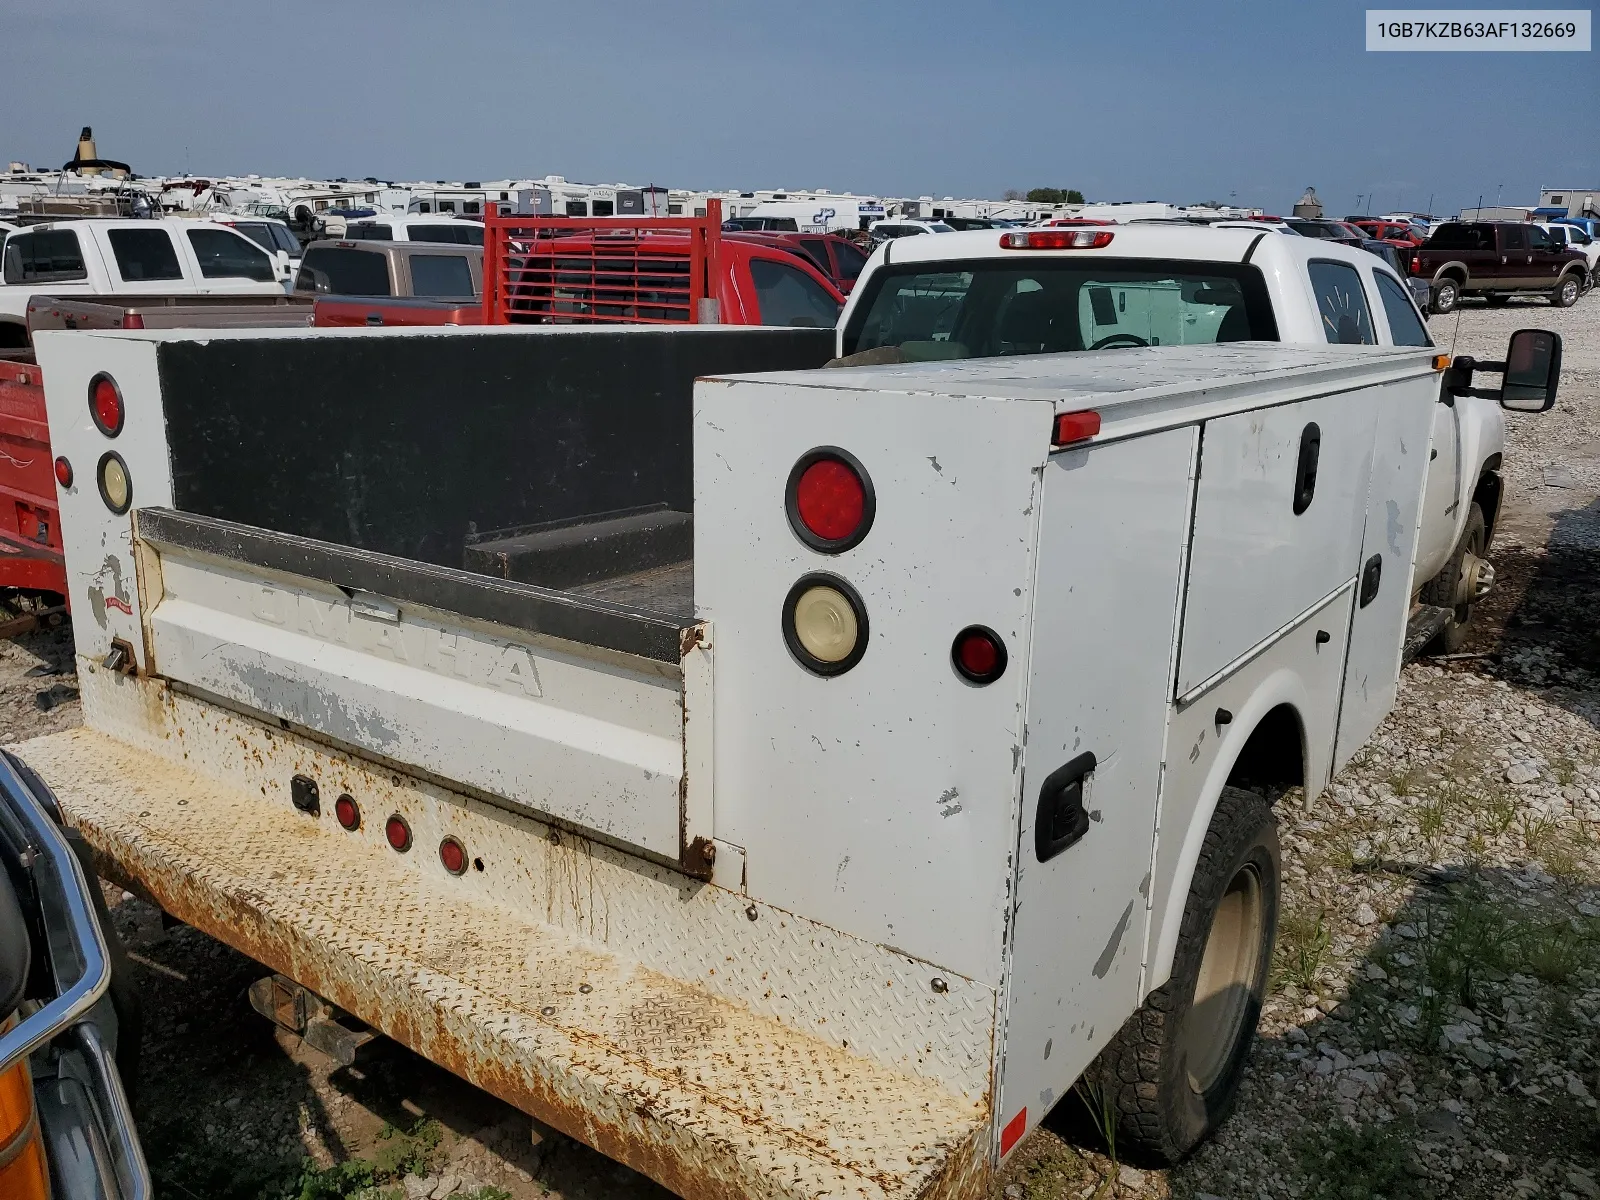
column 995, row 640
column 122, row 405
column 792, row 639
column 100, row 481
column 522, row 606
column 791, row 502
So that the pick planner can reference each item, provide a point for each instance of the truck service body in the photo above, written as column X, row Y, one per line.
column 777, row 835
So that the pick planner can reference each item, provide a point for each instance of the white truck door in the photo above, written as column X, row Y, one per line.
column 1105, row 606
column 1279, row 511
column 1407, row 414
column 1441, row 508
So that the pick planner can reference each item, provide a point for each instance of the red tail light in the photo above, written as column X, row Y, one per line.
column 133, row 321
column 63, row 472
column 348, row 812
column 830, row 500
column 979, row 655
column 1075, row 427
column 1056, row 239
column 105, row 405
column 398, row 833
column 453, row 855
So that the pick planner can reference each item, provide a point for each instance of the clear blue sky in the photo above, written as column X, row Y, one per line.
column 1172, row 101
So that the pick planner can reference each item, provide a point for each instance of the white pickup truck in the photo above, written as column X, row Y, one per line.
column 1034, row 291
column 789, row 784
column 126, row 257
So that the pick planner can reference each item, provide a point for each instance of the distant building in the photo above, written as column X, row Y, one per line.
column 1579, row 202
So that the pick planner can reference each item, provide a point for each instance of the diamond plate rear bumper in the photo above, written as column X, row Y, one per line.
column 692, row 1089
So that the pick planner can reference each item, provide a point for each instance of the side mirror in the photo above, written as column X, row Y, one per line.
column 1533, row 369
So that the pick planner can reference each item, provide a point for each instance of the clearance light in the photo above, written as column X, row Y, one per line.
column 348, row 812
column 979, row 655
column 1055, row 239
column 63, row 472
column 116, row 489
column 829, row 500
column 105, row 405
column 23, row 1172
column 825, row 625
column 453, row 856
column 1074, row 427
column 1441, row 362
column 397, row 833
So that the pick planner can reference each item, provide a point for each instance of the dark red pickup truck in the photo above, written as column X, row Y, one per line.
column 1497, row 260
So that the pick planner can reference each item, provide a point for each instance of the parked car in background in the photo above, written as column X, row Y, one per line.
column 967, row 224
column 761, row 225
column 1497, row 260
column 1589, row 225
column 1398, row 263
column 458, row 231
column 1574, row 238
column 899, row 227
column 1399, row 232
column 840, row 259
column 1332, row 231
column 362, row 268
column 121, row 256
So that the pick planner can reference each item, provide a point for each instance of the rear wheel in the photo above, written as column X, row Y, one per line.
column 1173, row 1070
column 1465, row 579
column 1446, row 295
column 1566, row 292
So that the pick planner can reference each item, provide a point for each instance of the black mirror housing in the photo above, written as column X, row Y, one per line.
column 1532, row 371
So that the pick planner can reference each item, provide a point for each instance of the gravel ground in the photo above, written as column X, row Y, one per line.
column 1434, row 1023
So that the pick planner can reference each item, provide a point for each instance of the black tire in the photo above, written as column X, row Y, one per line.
column 1446, row 295
column 1162, row 1113
column 1496, row 300
column 1565, row 294
column 1441, row 589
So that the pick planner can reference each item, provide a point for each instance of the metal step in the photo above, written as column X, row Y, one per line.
column 687, row 1087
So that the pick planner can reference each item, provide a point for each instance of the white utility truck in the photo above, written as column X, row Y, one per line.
column 790, row 783
column 1056, row 290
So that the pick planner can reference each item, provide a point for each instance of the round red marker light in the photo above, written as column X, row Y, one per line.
column 348, row 812
column 829, row 499
column 453, row 855
column 63, row 472
column 979, row 655
column 398, row 833
column 105, row 405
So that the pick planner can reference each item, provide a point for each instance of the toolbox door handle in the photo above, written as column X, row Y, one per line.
column 1305, row 472
column 1062, row 818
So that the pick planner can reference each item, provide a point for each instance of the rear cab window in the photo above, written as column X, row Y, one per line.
column 44, row 256
column 368, row 231
column 1341, row 303
column 144, row 254
column 343, row 271
column 987, row 307
column 456, row 233
column 1405, row 326
column 444, row 275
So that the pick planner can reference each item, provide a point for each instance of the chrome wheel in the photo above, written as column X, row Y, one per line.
column 1223, row 989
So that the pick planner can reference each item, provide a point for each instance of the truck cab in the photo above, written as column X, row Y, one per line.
column 1032, row 291
column 378, row 268
column 127, row 257
column 1496, row 260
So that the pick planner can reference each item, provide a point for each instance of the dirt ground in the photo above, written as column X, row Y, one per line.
column 1434, row 1023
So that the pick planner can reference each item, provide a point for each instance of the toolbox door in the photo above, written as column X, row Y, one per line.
column 1278, row 520
column 1105, row 604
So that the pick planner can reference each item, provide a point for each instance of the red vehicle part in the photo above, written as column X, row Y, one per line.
column 361, row 312
column 652, row 270
column 31, row 557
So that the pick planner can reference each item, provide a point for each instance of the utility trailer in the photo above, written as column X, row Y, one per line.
column 788, row 784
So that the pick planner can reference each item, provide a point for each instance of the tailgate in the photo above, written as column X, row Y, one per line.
column 555, row 703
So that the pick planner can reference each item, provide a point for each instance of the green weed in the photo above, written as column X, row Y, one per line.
column 1361, row 1163
column 1303, row 940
